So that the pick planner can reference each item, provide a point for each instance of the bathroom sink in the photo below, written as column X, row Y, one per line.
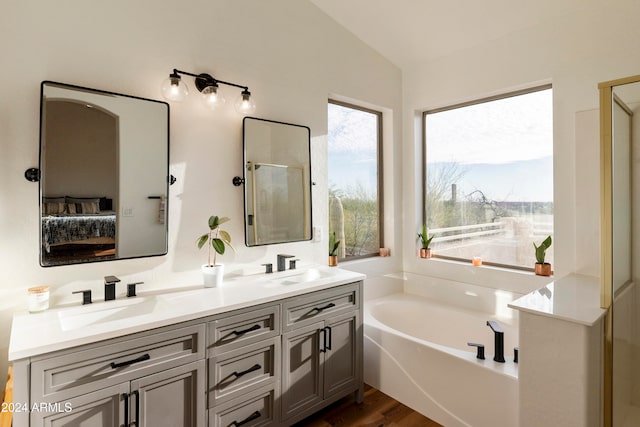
column 105, row 312
column 308, row 275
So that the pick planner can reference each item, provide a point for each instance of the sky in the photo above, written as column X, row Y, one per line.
column 502, row 131
column 504, row 147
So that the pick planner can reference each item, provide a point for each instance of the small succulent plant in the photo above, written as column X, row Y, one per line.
column 425, row 240
column 542, row 249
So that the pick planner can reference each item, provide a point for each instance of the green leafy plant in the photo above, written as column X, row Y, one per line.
column 425, row 240
column 542, row 249
column 216, row 238
column 333, row 244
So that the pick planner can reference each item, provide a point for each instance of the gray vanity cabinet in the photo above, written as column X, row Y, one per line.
column 342, row 360
column 134, row 378
column 100, row 408
column 302, row 379
column 243, row 350
column 265, row 365
column 170, row 398
column 322, row 350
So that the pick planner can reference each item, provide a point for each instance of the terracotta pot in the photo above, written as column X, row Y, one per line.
column 543, row 269
column 425, row 253
column 333, row 260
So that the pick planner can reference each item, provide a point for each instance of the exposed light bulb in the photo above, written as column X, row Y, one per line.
column 245, row 104
column 212, row 97
column 174, row 89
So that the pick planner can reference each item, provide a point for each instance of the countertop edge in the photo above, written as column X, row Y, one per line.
column 574, row 298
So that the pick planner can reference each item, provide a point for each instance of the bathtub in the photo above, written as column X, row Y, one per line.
column 416, row 351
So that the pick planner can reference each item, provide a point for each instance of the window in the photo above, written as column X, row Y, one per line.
column 488, row 188
column 355, row 174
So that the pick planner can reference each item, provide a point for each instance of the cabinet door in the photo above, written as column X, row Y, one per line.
column 101, row 408
column 302, row 382
column 175, row 397
column 342, row 364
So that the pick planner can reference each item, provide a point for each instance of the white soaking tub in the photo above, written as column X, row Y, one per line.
column 416, row 351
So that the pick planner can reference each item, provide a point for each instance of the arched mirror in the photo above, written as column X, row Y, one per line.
column 620, row 254
column 104, row 162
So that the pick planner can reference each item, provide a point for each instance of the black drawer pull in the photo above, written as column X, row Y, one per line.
column 244, row 331
column 319, row 309
column 250, row 418
column 251, row 369
column 130, row 362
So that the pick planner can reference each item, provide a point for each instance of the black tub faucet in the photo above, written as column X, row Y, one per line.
column 498, row 340
column 110, row 287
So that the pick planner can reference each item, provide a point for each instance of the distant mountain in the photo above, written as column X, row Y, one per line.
column 527, row 180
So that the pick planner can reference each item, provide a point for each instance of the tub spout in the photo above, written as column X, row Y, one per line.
column 498, row 340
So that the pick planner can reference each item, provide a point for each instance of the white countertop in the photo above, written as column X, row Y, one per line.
column 70, row 326
column 574, row 298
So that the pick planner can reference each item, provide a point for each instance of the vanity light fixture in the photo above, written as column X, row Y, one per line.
column 174, row 89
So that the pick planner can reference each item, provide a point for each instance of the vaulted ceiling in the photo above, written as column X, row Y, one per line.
column 408, row 32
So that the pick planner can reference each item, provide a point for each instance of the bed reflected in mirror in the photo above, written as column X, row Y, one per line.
column 104, row 161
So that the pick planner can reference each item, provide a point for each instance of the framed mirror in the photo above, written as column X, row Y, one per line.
column 277, row 177
column 619, row 139
column 104, row 168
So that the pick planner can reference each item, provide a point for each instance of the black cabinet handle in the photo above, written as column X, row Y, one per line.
column 130, row 362
column 250, row 418
column 324, row 339
column 327, row 332
column 319, row 309
column 136, row 394
column 244, row 331
column 125, row 397
column 251, row 369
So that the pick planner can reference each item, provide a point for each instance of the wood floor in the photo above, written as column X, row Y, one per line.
column 377, row 410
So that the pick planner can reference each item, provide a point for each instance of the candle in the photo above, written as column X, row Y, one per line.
column 476, row 261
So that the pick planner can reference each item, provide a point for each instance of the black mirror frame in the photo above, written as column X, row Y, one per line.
column 29, row 173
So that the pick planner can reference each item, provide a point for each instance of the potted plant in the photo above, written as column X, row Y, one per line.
column 216, row 239
column 425, row 242
column 333, row 249
column 542, row 268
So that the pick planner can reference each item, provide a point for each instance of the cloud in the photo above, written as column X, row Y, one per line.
column 507, row 130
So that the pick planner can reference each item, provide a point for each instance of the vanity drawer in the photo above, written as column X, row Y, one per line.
column 246, row 327
column 253, row 410
column 320, row 305
column 75, row 373
column 237, row 372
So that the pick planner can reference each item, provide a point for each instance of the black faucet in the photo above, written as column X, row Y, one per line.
column 498, row 339
column 281, row 261
column 86, row 296
column 131, row 289
column 110, row 287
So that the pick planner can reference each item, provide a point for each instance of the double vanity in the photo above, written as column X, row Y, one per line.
column 264, row 349
column 267, row 349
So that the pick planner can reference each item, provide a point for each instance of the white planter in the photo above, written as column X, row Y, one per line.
column 212, row 275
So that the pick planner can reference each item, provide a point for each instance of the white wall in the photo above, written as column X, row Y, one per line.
column 291, row 56
column 574, row 52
